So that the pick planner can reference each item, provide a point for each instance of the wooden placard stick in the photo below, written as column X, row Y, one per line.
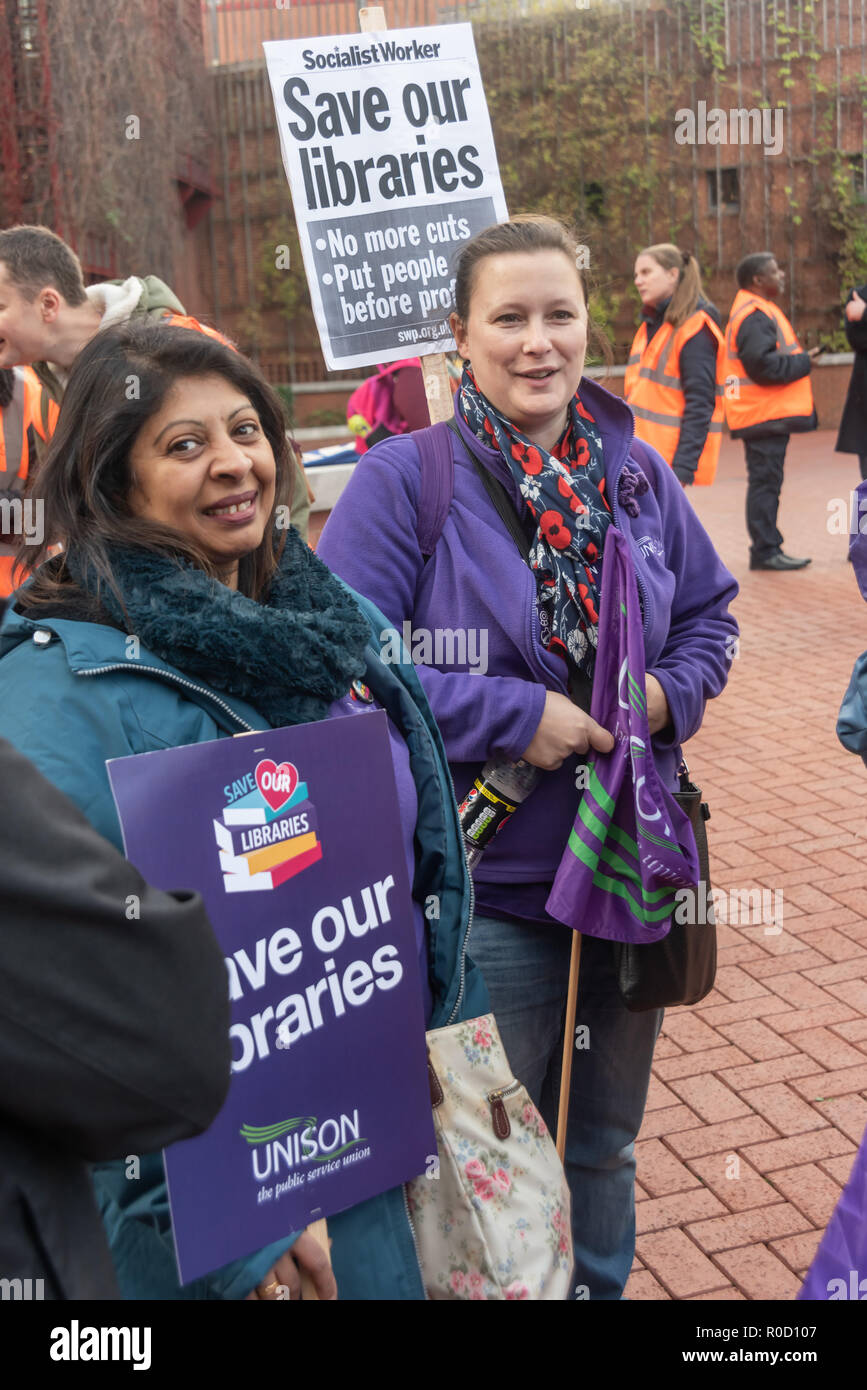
column 568, row 1045
column 317, row 1229
column 436, row 374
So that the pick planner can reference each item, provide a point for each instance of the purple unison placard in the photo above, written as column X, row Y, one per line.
column 293, row 838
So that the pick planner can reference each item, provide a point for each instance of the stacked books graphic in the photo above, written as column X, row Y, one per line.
column 261, row 848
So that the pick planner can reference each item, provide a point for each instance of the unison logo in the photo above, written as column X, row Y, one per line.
column 295, row 1142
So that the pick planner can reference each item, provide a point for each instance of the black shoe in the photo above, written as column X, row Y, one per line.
column 779, row 561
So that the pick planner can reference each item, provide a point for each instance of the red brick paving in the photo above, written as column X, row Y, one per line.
column 760, row 1092
column 741, row 1187
column 677, row 1263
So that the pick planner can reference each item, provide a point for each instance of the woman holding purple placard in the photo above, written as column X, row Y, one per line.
column 184, row 609
column 541, row 463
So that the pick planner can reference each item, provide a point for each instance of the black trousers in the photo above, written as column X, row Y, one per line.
column 862, row 459
column 765, row 459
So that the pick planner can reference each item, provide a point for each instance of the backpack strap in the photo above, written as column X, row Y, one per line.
column 434, row 446
column 499, row 496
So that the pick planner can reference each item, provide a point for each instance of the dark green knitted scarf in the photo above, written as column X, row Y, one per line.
column 289, row 656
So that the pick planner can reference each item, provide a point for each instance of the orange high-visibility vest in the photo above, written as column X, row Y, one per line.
column 45, row 418
column 187, row 321
column 746, row 402
column 655, row 392
column 19, row 415
column 16, row 446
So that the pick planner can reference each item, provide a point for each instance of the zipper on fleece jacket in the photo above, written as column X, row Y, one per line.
column 172, row 679
column 535, row 643
column 445, row 812
column 626, row 530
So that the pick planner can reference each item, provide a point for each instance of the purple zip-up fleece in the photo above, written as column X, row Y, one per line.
column 476, row 599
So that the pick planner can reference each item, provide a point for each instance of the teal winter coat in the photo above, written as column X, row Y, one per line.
column 852, row 719
column 74, row 694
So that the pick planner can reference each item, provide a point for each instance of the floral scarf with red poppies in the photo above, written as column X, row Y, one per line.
column 564, row 492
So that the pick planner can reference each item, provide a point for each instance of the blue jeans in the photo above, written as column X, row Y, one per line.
column 526, row 969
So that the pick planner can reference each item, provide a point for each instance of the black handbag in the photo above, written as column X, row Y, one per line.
column 681, row 968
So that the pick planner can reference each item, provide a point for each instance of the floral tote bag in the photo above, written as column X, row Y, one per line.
column 494, row 1221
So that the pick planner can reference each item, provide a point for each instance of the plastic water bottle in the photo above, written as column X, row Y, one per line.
column 492, row 799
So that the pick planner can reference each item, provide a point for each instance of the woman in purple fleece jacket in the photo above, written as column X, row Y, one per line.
column 509, row 649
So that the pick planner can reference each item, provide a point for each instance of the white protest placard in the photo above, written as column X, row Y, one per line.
column 390, row 157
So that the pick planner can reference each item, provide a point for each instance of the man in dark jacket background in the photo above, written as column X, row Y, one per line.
column 114, row 1032
column 768, row 397
column 852, row 438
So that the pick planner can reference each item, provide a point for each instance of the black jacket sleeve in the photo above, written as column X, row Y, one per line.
column 114, row 1012
column 698, row 375
column 757, row 349
column 857, row 332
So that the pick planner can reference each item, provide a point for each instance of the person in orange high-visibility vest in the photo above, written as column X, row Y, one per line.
column 19, row 401
column 674, row 378
column 767, row 397
column 47, row 316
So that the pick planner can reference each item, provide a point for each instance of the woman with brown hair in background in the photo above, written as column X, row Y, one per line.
column 674, row 376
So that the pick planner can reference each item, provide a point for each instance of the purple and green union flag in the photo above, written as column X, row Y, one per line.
column 631, row 847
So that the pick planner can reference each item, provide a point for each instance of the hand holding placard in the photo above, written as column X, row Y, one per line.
column 304, row 1272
